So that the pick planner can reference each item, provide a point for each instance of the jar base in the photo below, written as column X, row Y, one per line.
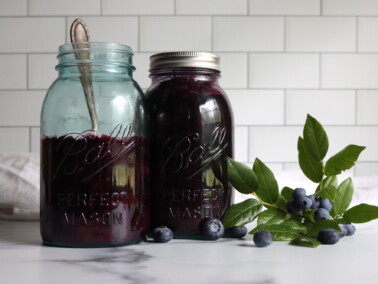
column 95, row 245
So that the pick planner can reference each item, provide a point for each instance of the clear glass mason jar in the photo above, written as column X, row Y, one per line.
column 94, row 181
column 191, row 132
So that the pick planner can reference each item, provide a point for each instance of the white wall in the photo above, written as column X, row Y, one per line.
column 280, row 60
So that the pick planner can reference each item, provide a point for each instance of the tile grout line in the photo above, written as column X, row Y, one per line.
column 320, row 72
column 321, row 8
column 284, row 106
column 27, row 8
column 212, row 33
column 30, row 139
column 139, row 29
column 355, row 106
column 101, row 7
column 357, row 24
column 248, row 144
column 27, row 71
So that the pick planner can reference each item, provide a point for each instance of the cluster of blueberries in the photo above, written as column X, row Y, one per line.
column 323, row 206
column 213, row 229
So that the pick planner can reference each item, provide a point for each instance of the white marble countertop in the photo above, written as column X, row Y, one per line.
column 24, row 260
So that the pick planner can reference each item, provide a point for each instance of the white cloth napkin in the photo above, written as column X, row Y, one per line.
column 19, row 186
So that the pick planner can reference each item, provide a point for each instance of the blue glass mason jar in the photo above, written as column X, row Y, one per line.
column 191, row 133
column 94, row 174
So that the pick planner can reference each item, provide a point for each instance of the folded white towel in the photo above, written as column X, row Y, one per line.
column 19, row 186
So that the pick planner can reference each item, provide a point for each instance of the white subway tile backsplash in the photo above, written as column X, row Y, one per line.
column 234, row 67
column 31, row 34
column 322, row 104
column 367, row 104
column 211, row 7
column 122, row 30
column 35, row 140
column 340, row 137
column 284, row 7
column 241, row 144
column 274, row 144
column 248, row 33
column 64, row 8
column 20, row 108
column 175, row 33
column 13, row 7
column 42, row 70
column 367, row 31
column 137, row 7
column 13, row 73
column 349, row 71
column 280, row 59
column 321, row 34
column 142, row 65
column 14, row 139
column 366, row 169
column 350, row 7
column 257, row 107
column 283, row 70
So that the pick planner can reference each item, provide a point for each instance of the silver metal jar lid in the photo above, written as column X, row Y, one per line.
column 184, row 59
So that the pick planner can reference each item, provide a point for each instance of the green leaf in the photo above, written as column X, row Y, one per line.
column 343, row 160
column 361, row 213
column 280, row 232
column 309, row 215
column 242, row 178
column 305, row 241
column 242, row 213
column 312, row 168
column 267, row 190
column 327, row 192
column 281, row 203
column 287, row 193
column 331, row 180
column 323, row 224
column 271, row 217
column 315, row 138
column 342, row 198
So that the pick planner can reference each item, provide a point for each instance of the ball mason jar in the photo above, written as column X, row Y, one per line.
column 94, row 175
column 191, row 132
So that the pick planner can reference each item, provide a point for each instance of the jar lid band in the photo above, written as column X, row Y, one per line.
column 184, row 59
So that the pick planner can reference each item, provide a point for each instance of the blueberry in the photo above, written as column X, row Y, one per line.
column 292, row 208
column 262, row 239
column 298, row 192
column 314, row 201
column 162, row 234
column 303, row 202
column 328, row 236
column 351, row 229
column 325, row 203
column 344, row 230
column 211, row 228
column 321, row 213
column 236, row 232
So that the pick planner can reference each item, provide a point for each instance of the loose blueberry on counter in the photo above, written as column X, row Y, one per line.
column 321, row 213
column 292, row 208
column 211, row 228
column 325, row 203
column 299, row 192
column 236, row 232
column 314, row 201
column 344, row 230
column 351, row 229
column 162, row 234
column 328, row 236
column 262, row 239
column 303, row 202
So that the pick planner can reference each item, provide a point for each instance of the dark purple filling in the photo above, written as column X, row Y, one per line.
column 93, row 190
